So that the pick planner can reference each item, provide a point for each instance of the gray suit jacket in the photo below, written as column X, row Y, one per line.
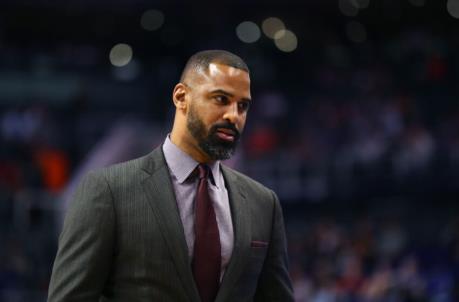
column 123, row 240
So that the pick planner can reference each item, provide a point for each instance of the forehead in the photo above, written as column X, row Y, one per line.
column 231, row 79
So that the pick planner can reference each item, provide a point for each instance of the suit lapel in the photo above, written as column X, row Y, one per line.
column 242, row 234
column 161, row 197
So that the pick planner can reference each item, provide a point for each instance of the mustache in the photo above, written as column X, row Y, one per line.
column 228, row 126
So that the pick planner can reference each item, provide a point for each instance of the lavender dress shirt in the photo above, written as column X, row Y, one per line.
column 181, row 165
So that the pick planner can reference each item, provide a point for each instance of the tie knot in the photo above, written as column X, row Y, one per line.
column 203, row 171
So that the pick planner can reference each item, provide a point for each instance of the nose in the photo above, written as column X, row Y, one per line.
column 232, row 114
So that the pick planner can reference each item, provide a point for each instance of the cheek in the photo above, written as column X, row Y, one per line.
column 209, row 117
column 214, row 114
column 242, row 121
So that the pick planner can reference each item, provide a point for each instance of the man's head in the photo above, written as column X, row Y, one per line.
column 211, row 101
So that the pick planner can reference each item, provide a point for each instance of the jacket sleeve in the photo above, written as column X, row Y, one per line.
column 86, row 244
column 274, row 284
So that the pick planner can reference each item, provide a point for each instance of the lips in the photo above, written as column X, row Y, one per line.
column 226, row 134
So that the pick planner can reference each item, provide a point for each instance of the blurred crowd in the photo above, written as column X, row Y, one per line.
column 372, row 260
column 382, row 119
column 354, row 123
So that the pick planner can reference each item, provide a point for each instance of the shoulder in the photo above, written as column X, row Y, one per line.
column 248, row 184
column 129, row 172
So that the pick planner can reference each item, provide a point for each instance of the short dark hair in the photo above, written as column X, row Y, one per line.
column 202, row 60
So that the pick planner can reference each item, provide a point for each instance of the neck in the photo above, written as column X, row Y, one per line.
column 189, row 145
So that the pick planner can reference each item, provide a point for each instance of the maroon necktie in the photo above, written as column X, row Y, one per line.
column 207, row 254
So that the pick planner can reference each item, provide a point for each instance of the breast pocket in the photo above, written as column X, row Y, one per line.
column 258, row 251
column 252, row 270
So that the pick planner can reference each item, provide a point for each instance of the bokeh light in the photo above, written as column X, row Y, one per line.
column 356, row 32
column 248, row 32
column 120, row 54
column 152, row 20
column 285, row 40
column 453, row 8
column 272, row 25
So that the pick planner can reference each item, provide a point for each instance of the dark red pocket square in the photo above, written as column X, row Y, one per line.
column 258, row 243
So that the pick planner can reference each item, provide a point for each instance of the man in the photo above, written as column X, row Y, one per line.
column 176, row 225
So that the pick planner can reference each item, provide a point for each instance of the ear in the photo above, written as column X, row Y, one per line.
column 179, row 96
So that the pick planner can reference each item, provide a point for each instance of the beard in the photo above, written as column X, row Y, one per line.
column 208, row 141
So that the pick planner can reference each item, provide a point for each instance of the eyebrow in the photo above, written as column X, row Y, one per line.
column 228, row 94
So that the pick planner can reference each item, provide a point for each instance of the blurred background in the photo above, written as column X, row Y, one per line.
column 355, row 124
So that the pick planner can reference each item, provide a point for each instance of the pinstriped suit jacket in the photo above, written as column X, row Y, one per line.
column 123, row 240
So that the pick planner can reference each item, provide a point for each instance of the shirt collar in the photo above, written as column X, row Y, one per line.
column 182, row 165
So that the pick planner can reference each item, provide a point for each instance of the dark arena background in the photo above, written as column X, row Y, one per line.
column 355, row 125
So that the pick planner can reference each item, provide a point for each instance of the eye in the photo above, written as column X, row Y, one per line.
column 243, row 106
column 222, row 99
